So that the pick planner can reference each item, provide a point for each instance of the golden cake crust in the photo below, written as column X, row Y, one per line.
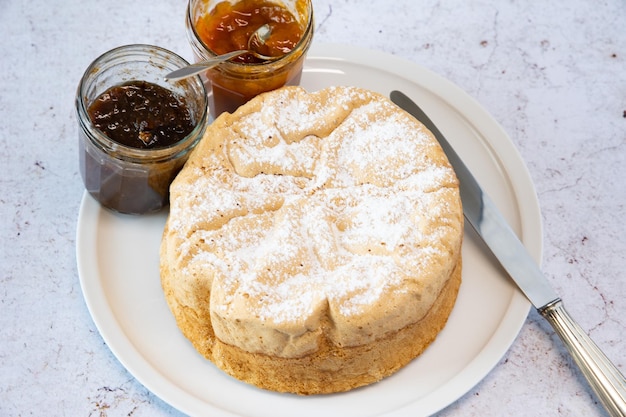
column 314, row 240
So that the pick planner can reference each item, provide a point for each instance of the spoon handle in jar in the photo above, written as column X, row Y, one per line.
column 199, row 67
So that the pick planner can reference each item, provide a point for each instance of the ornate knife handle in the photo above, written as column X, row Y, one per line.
column 605, row 379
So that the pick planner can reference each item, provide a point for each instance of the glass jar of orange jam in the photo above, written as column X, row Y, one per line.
column 215, row 27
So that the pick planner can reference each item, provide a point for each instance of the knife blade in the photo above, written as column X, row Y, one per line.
column 486, row 219
column 483, row 215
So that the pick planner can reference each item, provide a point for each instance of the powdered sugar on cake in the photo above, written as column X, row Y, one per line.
column 308, row 207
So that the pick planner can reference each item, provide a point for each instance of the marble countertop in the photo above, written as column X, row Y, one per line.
column 553, row 74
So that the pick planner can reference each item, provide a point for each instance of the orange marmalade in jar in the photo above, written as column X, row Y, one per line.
column 216, row 27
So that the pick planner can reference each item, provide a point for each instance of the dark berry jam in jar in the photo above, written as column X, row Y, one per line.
column 136, row 129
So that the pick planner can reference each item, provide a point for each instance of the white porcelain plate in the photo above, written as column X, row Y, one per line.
column 118, row 267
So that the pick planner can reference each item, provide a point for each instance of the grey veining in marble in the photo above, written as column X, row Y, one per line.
column 553, row 74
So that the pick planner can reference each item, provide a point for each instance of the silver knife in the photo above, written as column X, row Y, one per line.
column 480, row 211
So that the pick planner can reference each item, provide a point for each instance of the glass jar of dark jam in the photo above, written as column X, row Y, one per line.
column 129, row 153
column 218, row 26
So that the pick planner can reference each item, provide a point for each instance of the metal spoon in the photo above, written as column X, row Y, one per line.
column 259, row 37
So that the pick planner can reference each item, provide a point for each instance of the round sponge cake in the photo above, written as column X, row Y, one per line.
column 314, row 241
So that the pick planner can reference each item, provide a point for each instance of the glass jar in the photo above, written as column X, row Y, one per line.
column 231, row 83
column 123, row 178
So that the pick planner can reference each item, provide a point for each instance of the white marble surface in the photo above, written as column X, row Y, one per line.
column 552, row 73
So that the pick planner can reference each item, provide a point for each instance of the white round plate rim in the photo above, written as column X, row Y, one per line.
column 446, row 97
